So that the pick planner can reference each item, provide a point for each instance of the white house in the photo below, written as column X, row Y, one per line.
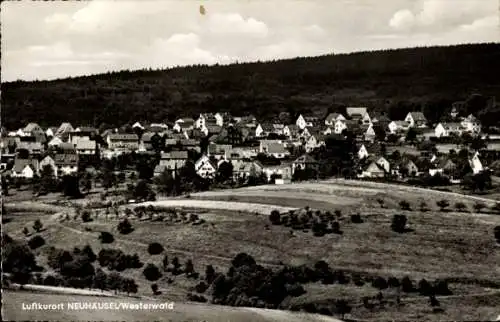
column 398, row 126
column 416, row 119
column 446, row 129
column 372, row 170
column 340, row 126
column 138, row 125
column 359, row 113
column 301, row 122
column 25, row 168
column 205, row 168
column 476, row 164
column 283, row 172
column 386, row 165
column 370, row 133
column 48, row 161
column 291, row 131
column 471, row 124
column 314, row 141
column 56, row 141
column 332, row 118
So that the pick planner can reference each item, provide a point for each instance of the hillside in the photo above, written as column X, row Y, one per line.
column 393, row 81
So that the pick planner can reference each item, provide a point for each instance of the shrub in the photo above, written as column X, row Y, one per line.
column 26, row 231
column 423, row 206
column 155, row 249
column 36, row 241
column 86, row 216
column 478, row 206
column 424, row 287
column 399, row 223
column 275, row 217
column 243, row 259
column 37, row 225
column 379, row 283
column 196, row 298
column 124, row 227
column 441, row 288
column 405, row 205
column 189, row 267
column 443, row 204
column 151, row 272
column 336, row 227
column 342, row 307
column 209, row 274
column 106, row 238
column 393, row 282
column 407, row 285
column 497, row 233
column 201, row 287
column 356, row 219
column 357, row 280
column 154, row 288
column 460, row 206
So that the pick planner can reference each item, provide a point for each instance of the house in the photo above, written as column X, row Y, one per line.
column 247, row 121
column 190, row 144
column 246, row 168
column 370, row 134
column 219, row 151
column 205, row 168
column 471, row 124
column 66, row 163
column 48, row 161
column 475, row 164
column 145, row 143
column 339, row 126
column 66, row 147
column 416, row 119
column 171, row 161
column 32, row 129
column 304, row 162
column 51, row 132
column 278, row 128
column 291, row 131
column 210, row 129
column 184, row 124
column 160, row 128
column 31, row 146
column 123, row 142
column 282, row 172
column 384, row 163
column 314, row 141
column 137, row 125
column 332, row 118
column 366, row 150
column 55, row 142
column 446, row 129
column 234, row 135
column 306, row 121
column 8, row 145
column 222, row 119
column 274, row 148
column 409, row 167
column 87, row 147
column 396, row 127
column 205, row 119
column 25, row 168
column 372, row 170
column 359, row 114
column 64, row 129
column 264, row 129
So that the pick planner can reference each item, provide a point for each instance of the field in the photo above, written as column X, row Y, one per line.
column 451, row 245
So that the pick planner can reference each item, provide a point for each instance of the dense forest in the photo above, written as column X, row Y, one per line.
column 429, row 79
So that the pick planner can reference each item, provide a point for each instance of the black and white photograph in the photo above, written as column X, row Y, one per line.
column 250, row 160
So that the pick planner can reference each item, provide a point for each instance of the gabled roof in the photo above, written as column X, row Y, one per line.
column 66, row 146
column 213, row 129
column 20, row 164
column 356, row 111
column 123, row 137
column 267, row 127
column 273, row 148
column 219, row 148
column 28, row 145
column 182, row 155
column 85, row 129
column 146, row 136
column 85, row 145
column 66, row 159
column 31, row 127
column 372, row 165
column 64, row 128
column 418, row 116
column 186, row 121
column 305, row 158
column 332, row 116
column 451, row 125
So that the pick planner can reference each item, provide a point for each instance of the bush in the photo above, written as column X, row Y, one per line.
column 209, row 274
column 151, row 272
column 196, row 298
column 86, row 216
column 441, row 288
column 356, row 219
column 405, row 205
column 443, row 204
column 379, row 283
column 460, row 206
column 37, row 225
column 106, row 238
column 497, row 233
column 124, row 227
column 399, row 223
column 357, row 280
column 154, row 288
column 407, row 285
column 336, row 227
column 424, row 287
column 478, row 206
column 393, row 282
column 275, row 217
column 155, row 249
column 36, row 241
column 423, row 206
column 243, row 259
column 201, row 287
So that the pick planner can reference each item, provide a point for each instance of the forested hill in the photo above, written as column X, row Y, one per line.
column 394, row 81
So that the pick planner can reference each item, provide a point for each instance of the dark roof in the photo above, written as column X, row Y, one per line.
column 305, row 158
column 20, row 164
column 123, row 137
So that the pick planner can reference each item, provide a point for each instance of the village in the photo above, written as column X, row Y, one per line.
column 279, row 152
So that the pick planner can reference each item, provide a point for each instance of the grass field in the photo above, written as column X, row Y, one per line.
column 442, row 244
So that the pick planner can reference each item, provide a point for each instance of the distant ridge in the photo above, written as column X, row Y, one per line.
column 397, row 79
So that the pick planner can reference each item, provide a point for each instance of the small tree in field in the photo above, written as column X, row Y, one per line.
column 154, row 288
column 478, row 206
column 155, row 249
column 151, row 272
column 26, row 231
column 86, row 217
column 497, row 234
column 275, row 217
column 399, row 223
column 443, row 204
column 381, row 202
column 460, row 206
column 423, row 206
column 124, row 227
column 342, row 308
column 405, row 205
column 37, row 225
column 106, row 238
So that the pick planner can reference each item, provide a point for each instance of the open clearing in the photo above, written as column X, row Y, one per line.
column 451, row 245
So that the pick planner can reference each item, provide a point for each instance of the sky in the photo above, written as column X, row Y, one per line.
column 55, row 39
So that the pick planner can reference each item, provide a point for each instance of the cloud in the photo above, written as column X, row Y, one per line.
column 483, row 23
column 234, row 23
column 403, row 19
column 315, row 31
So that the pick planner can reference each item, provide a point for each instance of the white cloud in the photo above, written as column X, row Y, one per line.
column 315, row 31
column 490, row 22
column 234, row 23
column 403, row 19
